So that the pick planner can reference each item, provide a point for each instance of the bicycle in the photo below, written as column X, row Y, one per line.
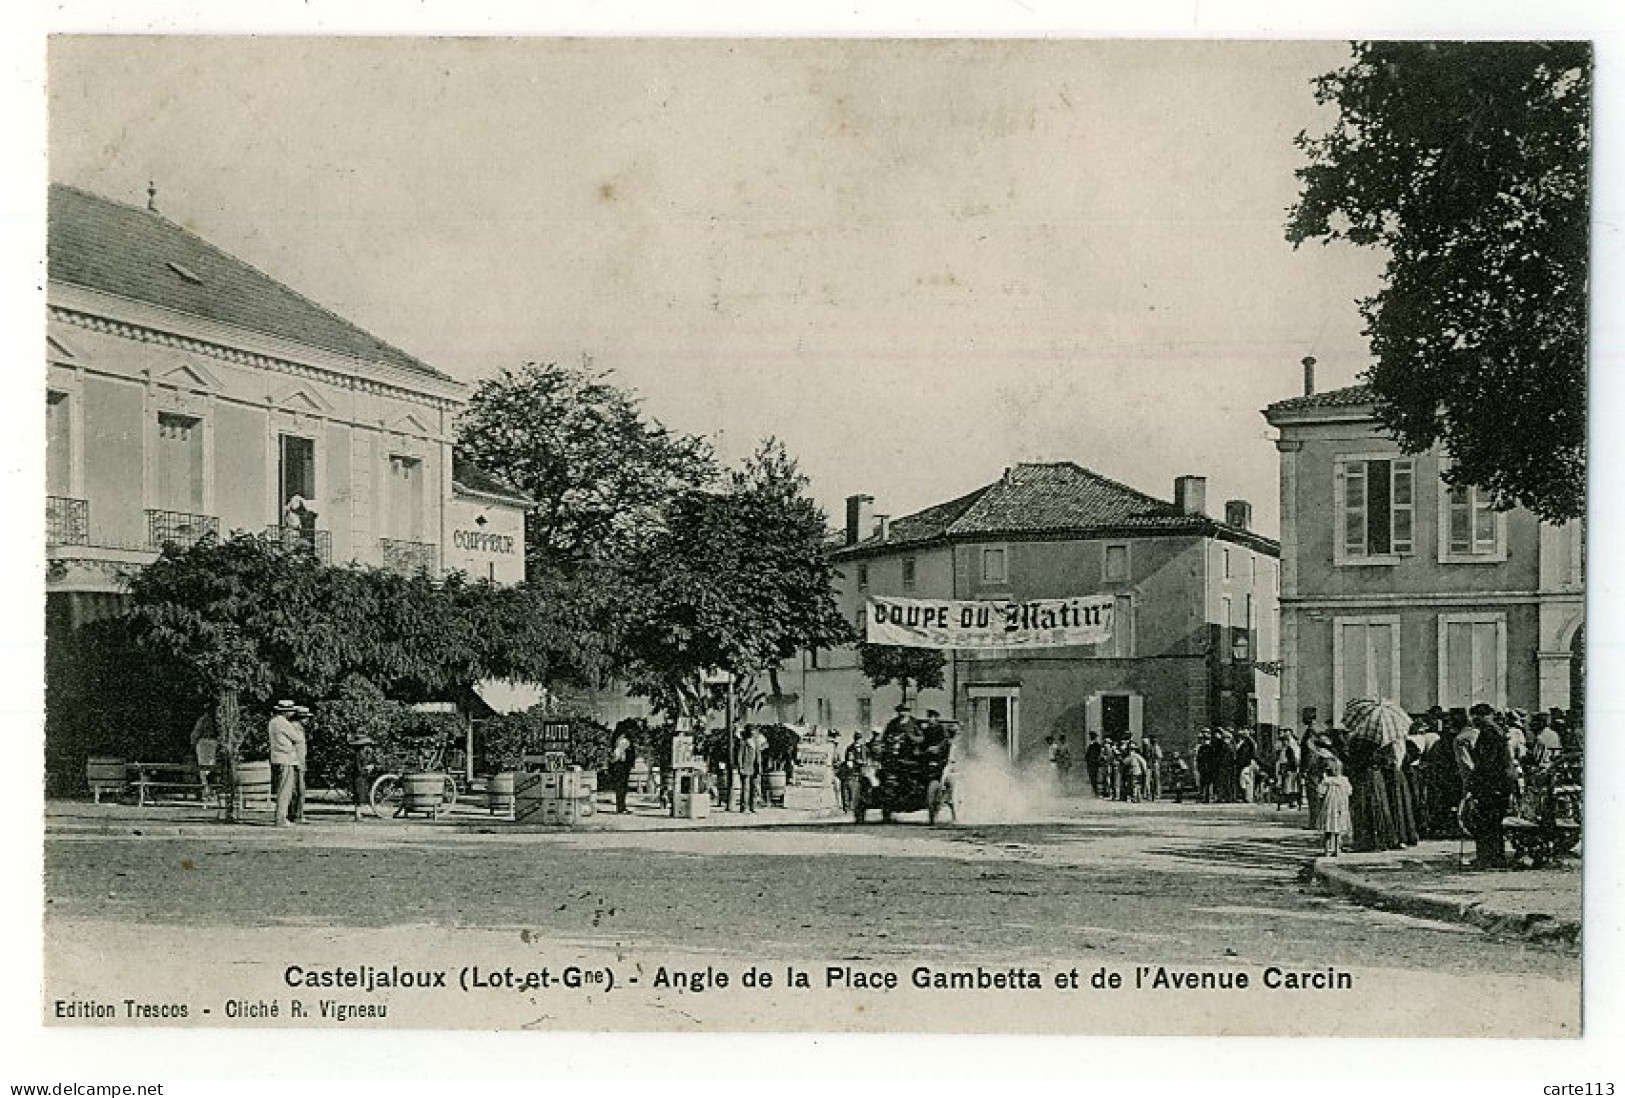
column 387, row 795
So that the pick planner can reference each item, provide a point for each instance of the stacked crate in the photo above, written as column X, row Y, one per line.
column 559, row 797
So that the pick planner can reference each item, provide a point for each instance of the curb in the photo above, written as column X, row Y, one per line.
column 1536, row 927
column 465, row 825
column 641, row 824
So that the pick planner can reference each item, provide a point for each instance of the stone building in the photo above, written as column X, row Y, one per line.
column 1195, row 610
column 1395, row 584
column 188, row 393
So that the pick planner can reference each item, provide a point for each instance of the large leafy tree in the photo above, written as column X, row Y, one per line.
column 242, row 618
column 582, row 448
column 735, row 579
column 1468, row 163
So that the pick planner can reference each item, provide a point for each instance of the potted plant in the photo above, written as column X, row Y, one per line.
column 779, row 759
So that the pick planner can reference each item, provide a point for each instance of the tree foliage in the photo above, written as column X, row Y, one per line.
column 888, row 663
column 1468, row 163
column 735, row 579
column 580, row 446
column 250, row 617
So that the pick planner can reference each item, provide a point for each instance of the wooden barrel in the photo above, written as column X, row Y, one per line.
column 499, row 792
column 423, row 792
column 104, row 774
column 254, row 784
column 775, row 786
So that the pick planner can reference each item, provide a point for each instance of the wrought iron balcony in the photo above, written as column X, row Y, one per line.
column 319, row 542
column 410, row 558
column 67, row 521
column 179, row 528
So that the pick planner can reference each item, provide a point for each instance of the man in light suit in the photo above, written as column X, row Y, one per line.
column 287, row 751
column 748, row 762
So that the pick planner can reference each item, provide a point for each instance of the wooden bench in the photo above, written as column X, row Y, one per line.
column 152, row 780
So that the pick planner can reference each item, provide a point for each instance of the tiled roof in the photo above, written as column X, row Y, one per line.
column 931, row 523
column 1047, row 500
column 1332, row 398
column 471, row 478
column 138, row 254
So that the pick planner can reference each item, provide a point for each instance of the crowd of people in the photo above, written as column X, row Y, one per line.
column 1123, row 769
column 1455, row 774
column 1227, row 769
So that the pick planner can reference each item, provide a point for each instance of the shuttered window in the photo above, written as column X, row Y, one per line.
column 1365, row 660
column 1376, row 507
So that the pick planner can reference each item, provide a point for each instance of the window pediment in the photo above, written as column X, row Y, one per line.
column 189, row 375
column 304, row 399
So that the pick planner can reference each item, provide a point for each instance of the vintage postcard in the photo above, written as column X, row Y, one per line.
column 968, row 536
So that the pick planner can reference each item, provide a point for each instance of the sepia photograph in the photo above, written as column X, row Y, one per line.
column 1072, row 536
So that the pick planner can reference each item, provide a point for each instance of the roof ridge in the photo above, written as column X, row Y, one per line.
column 1118, row 484
column 230, row 257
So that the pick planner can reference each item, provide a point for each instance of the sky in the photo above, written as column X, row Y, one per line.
column 916, row 263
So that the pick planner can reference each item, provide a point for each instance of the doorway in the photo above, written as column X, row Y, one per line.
column 995, row 725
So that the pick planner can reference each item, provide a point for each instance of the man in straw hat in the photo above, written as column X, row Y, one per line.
column 301, row 721
column 287, row 752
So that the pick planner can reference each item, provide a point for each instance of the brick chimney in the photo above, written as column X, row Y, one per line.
column 859, row 517
column 883, row 527
column 1238, row 513
column 1190, row 495
column 1309, row 376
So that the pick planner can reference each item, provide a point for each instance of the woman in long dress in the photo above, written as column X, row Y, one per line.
column 1286, row 770
column 1400, row 795
column 1373, row 819
column 1317, row 754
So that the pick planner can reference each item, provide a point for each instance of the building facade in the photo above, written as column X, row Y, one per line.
column 189, row 393
column 1396, row 584
column 1195, row 611
column 485, row 526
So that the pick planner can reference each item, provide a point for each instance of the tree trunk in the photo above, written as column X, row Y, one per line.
column 778, row 695
column 228, row 723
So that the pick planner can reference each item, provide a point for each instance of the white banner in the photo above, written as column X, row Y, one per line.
column 944, row 623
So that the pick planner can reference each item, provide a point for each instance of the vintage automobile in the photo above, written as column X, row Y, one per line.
column 906, row 773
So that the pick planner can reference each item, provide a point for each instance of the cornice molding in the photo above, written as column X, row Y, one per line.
column 90, row 310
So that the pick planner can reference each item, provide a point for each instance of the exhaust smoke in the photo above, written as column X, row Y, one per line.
column 988, row 790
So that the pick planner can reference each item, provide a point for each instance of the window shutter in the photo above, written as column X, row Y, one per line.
column 1461, row 520
column 1091, row 714
column 1136, row 716
column 1484, row 525
column 1352, row 475
column 1123, row 626
column 1402, row 506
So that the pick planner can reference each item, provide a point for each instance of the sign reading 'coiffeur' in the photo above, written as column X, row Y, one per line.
column 481, row 542
column 944, row 623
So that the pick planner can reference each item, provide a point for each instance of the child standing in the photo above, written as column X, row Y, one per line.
column 1335, row 820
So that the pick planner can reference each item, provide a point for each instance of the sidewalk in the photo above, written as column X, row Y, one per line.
column 1430, row 881
column 468, row 816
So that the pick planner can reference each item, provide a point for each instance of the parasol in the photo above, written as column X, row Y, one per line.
column 1382, row 722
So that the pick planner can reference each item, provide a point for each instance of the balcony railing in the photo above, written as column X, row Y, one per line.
column 179, row 528
column 319, row 542
column 409, row 558
column 67, row 521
